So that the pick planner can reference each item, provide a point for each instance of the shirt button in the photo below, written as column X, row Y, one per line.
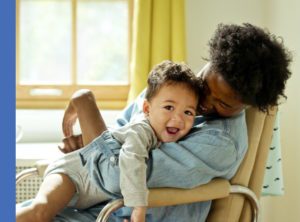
column 112, row 159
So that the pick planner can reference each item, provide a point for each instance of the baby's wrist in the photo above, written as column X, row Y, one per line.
column 140, row 208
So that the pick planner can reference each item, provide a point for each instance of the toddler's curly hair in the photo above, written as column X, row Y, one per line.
column 168, row 72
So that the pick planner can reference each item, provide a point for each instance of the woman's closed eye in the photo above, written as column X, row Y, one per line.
column 224, row 106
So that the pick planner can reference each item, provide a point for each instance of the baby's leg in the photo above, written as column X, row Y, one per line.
column 91, row 122
column 82, row 106
column 57, row 190
column 54, row 194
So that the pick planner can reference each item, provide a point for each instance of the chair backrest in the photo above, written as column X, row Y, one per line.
column 251, row 172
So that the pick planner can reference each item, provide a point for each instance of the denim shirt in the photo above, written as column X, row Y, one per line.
column 214, row 147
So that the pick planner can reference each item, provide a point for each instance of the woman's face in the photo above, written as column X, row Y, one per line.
column 220, row 98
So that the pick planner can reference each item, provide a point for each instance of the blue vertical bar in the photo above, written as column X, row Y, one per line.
column 7, row 110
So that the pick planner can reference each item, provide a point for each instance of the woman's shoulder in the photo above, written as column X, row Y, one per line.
column 221, row 132
column 216, row 125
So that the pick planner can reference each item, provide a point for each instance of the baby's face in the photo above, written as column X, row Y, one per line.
column 171, row 112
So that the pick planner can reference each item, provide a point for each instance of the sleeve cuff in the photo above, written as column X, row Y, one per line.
column 136, row 199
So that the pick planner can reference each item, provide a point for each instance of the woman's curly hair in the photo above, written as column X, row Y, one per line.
column 253, row 62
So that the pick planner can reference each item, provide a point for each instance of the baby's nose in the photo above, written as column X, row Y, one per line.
column 178, row 121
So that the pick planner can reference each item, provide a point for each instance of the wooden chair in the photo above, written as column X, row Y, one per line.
column 234, row 200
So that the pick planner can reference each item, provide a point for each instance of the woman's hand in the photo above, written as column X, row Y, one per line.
column 138, row 214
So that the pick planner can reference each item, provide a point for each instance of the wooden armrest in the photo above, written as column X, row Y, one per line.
column 217, row 188
column 159, row 197
column 38, row 170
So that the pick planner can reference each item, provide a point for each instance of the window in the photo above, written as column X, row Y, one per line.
column 65, row 45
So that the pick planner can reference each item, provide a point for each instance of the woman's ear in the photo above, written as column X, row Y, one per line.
column 146, row 107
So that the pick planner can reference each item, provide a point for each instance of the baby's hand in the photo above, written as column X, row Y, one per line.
column 138, row 214
column 71, row 143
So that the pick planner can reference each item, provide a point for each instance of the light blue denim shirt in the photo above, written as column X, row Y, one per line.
column 213, row 148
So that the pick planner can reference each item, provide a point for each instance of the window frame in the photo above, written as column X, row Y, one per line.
column 108, row 96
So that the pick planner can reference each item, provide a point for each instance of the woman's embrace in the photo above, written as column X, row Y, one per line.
column 247, row 66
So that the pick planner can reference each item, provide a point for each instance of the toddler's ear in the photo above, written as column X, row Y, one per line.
column 146, row 107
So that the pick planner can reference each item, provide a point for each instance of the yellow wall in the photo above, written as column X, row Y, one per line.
column 282, row 18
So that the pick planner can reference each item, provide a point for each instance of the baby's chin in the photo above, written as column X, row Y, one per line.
column 169, row 140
